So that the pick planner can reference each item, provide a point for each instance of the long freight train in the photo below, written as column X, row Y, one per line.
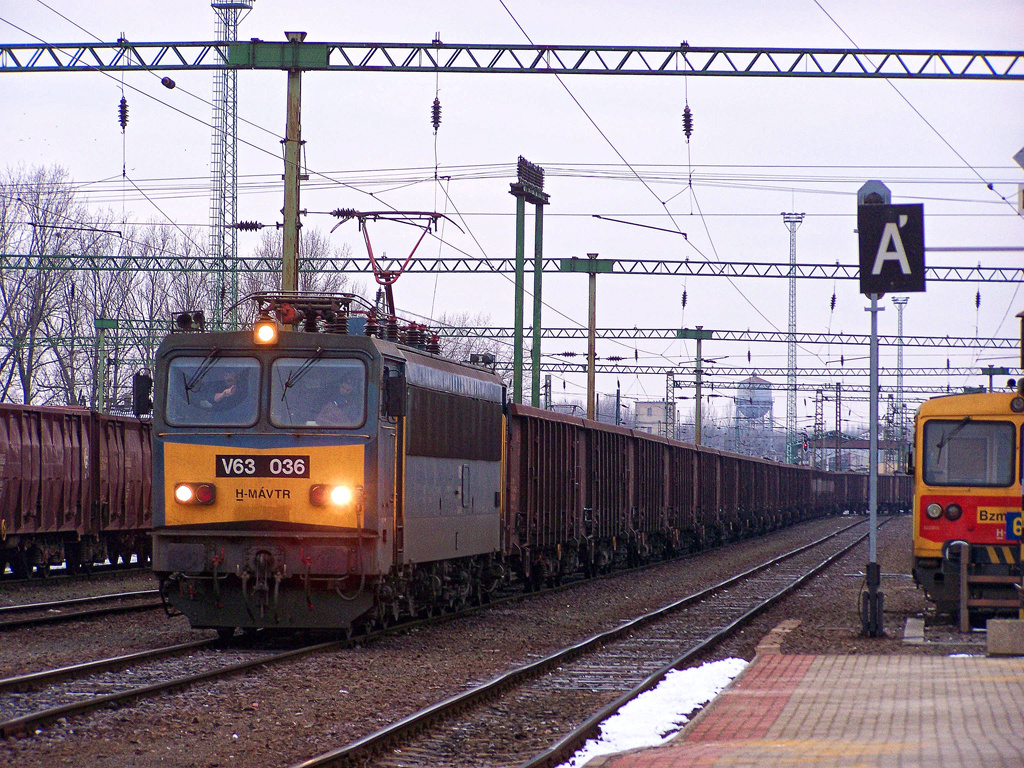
column 328, row 467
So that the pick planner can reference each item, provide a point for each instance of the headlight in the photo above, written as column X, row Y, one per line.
column 341, row 495
column 1017, row 405
column 338, row 495
column 933, row 510
column 195, row 493
column 265, row 331
column 953, row 512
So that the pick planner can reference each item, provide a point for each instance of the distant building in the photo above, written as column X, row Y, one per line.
column 650, row 416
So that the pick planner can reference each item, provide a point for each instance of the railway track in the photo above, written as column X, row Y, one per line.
column 510, row 720
column 34, row 700
column 31, row 701
column 77, row 609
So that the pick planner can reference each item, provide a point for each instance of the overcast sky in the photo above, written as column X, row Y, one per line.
column 760, row 147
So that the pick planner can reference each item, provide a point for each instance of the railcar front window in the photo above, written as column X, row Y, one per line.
column 317, row 392
column 212, row 391
column 965, row 452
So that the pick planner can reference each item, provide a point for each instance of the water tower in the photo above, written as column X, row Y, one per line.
column 752, row 423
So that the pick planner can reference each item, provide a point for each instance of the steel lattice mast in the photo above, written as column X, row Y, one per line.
column 900, row 302
column 224, row 166
column 792, row 221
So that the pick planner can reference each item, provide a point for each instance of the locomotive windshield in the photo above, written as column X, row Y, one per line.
column 965, row 452
column 212, row 391
column 317, row 392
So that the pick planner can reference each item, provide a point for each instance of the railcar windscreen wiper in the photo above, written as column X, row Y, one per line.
column 950, row 435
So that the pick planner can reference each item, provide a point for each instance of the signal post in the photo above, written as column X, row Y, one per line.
column 891, row 245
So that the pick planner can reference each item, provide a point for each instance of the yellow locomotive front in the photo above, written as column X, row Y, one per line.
column 967, row 484
column 274, row 465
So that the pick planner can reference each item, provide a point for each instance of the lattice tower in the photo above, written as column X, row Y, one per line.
column 819, row 429
column 224, row 167
column 839, row 427
column 792, row 222
column 670, row 405
column 901, row 421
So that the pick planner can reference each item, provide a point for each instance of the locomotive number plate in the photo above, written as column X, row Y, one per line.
column 262, row 466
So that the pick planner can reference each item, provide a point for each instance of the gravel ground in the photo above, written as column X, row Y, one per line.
column 293, row 711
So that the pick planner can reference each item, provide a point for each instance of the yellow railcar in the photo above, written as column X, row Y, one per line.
column 967, row 459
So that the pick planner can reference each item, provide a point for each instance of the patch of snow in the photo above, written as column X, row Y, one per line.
column 659, row 714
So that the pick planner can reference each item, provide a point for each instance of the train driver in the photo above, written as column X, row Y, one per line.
column 228, row 387
column 344, row 406
column 228, row 392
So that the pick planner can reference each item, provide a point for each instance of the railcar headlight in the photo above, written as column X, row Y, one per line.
column 338, row 495
column 265, row 331
column 195, row 493
column 1017, row 405
column 953, row 512
column 933, row 510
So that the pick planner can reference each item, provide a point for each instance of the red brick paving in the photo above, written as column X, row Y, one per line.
column 858, row 711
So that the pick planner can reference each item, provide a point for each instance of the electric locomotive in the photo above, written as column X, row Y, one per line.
column 967, row 454
column 324, row 468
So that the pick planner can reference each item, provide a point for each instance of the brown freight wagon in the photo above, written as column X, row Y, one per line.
column 584, row 495
column 74, row 488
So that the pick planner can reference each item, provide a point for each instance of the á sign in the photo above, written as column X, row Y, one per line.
column 891, row 248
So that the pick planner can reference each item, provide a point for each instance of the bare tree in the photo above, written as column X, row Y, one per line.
column 41, row 221
column 315, row 251
column 461, row 347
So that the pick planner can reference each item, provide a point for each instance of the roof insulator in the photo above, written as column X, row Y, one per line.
column 122, row 113
column 248, row 226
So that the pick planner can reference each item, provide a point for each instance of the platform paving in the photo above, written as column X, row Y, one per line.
column 858, row 711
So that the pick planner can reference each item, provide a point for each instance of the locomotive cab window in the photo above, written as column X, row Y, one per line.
column 964, row 452
column 317, row 392
column 212, row 391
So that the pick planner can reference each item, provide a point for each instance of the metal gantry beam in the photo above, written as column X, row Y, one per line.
column 683, row 59
column 472, row 265
column 950, row 342
column 149, row 327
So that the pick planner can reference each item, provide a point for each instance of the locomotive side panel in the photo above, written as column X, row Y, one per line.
column 452, row 476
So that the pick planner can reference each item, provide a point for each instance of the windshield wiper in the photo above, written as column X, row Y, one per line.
column 949, row 436
column 201, row 371
column 298, row 373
